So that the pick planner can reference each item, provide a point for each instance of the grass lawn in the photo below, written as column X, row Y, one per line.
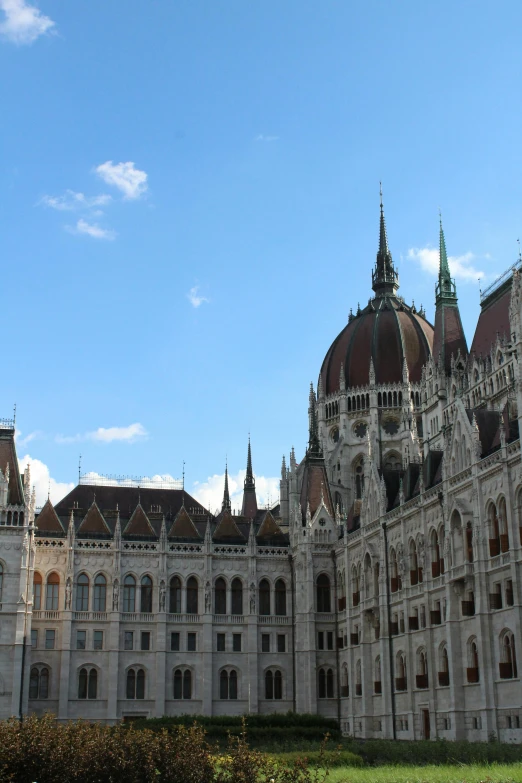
column 495, row 773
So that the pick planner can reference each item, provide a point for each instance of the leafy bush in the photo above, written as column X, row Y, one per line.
column 315, row 758
column 43, row 750
column 272, row 720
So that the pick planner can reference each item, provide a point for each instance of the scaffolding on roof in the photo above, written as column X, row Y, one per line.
column 137, row 482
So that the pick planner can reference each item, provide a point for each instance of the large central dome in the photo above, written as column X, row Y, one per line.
column 387, row 331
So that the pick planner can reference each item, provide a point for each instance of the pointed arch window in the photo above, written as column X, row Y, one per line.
column 508, row 661
column 237, row 596
column 52, row 592
column 100, row 594
column 264, row 597
column 182, row 684
column 129, row 594
column 220, row 596
column 192, row 595
column 135, row 684
column 401, row 682
column 377, row 682
column 37, row 591
column 444, row 673
column 473, row 672
column 146, row 595
column 39, row 683
column 87, row 683
column 175, row 595
column 280, row 598
column 273, row 684
column 323, row 593
column 82, row 593
column 228, row 684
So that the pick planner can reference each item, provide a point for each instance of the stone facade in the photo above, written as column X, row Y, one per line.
column 384, row 589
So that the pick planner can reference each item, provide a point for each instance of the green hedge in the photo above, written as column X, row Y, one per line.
column 376, row 752
column 316, row 758
column 272, row 720
column 257, row 736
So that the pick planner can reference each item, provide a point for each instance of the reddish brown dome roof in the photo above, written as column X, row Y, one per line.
column 388, row 331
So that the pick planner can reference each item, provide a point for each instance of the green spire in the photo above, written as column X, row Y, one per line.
column 446, row 288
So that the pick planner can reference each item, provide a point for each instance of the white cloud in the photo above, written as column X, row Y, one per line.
column 130, row 181
column 20, row 441
column 461, row 267
column 262, row 137
column 74, row 201
column 144, row 482
column 210, row 492
column 108, row 435
column 91, row 230
column 42, row 481
column 23, row 23
column 194, row 298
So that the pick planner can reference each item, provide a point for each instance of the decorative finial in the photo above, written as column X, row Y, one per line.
column 14, row 412
column 519, row 258
column 79, row 468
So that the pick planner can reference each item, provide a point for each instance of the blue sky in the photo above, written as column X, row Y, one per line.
column 189, row 208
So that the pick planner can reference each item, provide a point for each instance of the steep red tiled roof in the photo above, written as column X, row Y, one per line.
column 139, row 524
column 47, row 520
column 183, row 526
column 269, row 527
column 226, row 527
column 93, row 522
column 493, row 319
column 314, row 487
column 449, row 335
column 8, row 455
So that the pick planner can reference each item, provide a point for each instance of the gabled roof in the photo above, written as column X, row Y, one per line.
column 269, row 527
column 315, row 487
column 139, row 524
column 226, row 527
column 8, row 456
column 493, row 319
column 93, row 522
column 47, row 520
column 183, row 526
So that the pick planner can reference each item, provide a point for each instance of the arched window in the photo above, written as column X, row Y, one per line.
column 192, row 595
column 37, row 591
column 494, row 531
column 280, row 598
column 273, row 684
column 358, row 678
column 237, row 596
column 264, row 597
column 87, row 684
column 322, row 684
column 228, row 684
column 469, row 542
column 269, row 684
column 182, row 684
column 508, row 660
column 414, row 563
column 344, row 681
column 444, row 675
column 100, row 594
column 359, row 479
column 502, row 521
column 52, row 591
column 39, row 683
column 220, row 596
column 435, row 554
column 329, row 684
column 146, row 594
column 323, row 593
column 1, row 580
column 472, row 672
column 422, row 670
column 175, row 595
column 401, row 682
column 136, row 684
column 356, row 594
column 82, row 593
column 377, row 682
column 395, row 580
column 129, row 594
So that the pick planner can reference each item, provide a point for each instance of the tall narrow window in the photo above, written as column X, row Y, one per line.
column 264, row 597
column 140, row 684
column 232, row 685
column 37, row 591
column 187, row 684
column 192, row 595
column 39, row 683
column 1, row 580
column 237, row 596
column 278, row 685
column 223, row 685
column 220, row 596
column 322, row 684
column 280, row 597
column 100, row 594
column 44, row 684
column 87, row 684
column 269, row 685
column 175, row 595
column 178, row 684
column 82, row 593
column 131, row 684
column 146, row 595
column 323, row 593
column 129, row 594
column 52, row 592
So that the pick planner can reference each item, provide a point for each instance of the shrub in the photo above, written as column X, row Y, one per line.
column 315, row 758
column 442, row 751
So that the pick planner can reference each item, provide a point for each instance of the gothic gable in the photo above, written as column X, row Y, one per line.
column 183, row 526
column 93, row 522
column 139, row 524
column 48, row 521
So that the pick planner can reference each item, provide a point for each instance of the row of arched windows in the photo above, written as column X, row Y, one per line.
column 12, row 518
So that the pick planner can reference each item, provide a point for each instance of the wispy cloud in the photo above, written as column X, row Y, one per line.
column 461, row 267
column 195, row 298
column 71, row 201
column 130, row 181
column 210, row 492
column 91, row 230
column 23, row 441
column 129, row 434
column 23, row 23
column 264, row 137
column 43, row 482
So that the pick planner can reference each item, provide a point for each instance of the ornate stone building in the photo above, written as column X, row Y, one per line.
column 384, row 589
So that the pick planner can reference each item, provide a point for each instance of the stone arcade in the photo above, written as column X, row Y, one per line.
column 384, row 589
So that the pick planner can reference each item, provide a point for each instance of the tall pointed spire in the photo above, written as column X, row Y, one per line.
column 249, row 507
column 385, row 279
column 225, row 506
column 448, row 337
column 314, row 447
